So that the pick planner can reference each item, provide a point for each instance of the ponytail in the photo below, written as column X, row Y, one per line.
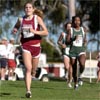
column 39, row 13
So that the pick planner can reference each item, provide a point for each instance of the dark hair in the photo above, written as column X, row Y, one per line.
column 73, row 20
column 36, row 11
column 39, row 13
column 65, row 25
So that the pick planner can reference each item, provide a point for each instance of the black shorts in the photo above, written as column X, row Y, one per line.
column 3, row 62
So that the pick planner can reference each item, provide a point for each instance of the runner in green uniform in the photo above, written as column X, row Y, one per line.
column 76, row 35
column 65, row 51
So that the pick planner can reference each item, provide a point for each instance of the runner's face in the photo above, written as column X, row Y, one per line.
column 77, row 22
column 29, row 9
column 68, row 26
column 4, row 41
column 12, row 41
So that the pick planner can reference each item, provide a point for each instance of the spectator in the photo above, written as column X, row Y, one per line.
column 11, row 59
column 3, row 57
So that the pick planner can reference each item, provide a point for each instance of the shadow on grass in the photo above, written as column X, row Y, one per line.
column 4, row 94
column 16, row 85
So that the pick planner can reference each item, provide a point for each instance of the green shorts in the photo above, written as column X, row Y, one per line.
column 76, row 51
column 66, row 51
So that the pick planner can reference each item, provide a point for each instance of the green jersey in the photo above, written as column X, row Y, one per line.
column 77, row 47
column 66, row 50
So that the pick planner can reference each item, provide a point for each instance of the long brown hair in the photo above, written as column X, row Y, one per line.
column 36, row 11
column 65, row 25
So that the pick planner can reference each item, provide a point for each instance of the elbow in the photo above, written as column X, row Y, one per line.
column 46, row 32
column 58, row 42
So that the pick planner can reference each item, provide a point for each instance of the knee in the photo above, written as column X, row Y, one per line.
column 28, row 70
column 82, row 65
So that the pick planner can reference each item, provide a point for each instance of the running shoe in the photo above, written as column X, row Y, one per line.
column 80, row 82
column 28, row 94
column 69, row 85
column 76, row 86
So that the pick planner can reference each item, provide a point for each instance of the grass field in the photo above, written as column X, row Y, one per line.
column 53, row 90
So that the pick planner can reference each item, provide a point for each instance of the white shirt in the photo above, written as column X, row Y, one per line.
column 11, row 50
column 3, row 51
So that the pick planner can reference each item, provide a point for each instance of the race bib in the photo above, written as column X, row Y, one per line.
column 25, row 30
column 79, row 41
column 67, row 51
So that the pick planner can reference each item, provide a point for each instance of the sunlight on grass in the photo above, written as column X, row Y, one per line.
column 53, row 90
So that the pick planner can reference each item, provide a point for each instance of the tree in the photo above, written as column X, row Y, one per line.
column 52, row 53
column 11, row 10
column 93, row 16
column 56, row 13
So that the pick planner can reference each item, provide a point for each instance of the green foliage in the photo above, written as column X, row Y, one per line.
column 95, row 18
column 58, row 15
column 50, row 51
column 47, row 48
column 6, row 26
column 90, row 7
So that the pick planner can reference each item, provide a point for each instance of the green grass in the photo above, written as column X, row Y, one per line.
column 53, row 90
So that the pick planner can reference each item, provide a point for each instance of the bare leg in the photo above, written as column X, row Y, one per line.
column 74, row 66
column 9, row 73
column 28, row 64
column 66, row 63
column 69, row 69
column 70, row 72
column 98, row 76
column 34, row 66
column 82, row 59
column 3, row 70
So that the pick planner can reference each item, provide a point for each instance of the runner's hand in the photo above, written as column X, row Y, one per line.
column 14, row 31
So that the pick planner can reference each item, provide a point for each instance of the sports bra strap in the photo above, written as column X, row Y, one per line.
column 35, row 22
column 71, row 29
column 83, row 31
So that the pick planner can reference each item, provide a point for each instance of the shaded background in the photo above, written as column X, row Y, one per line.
column 56, row 13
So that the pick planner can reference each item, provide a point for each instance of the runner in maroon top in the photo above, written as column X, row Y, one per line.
column 98, row 67
column 30, row 40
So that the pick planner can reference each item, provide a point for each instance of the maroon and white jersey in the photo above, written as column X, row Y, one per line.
column 99, row 57
column 27, row 37
column 98, row 60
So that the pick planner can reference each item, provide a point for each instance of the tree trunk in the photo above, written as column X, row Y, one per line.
column 71, row 9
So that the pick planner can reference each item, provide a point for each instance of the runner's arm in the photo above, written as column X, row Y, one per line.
column 17, row 25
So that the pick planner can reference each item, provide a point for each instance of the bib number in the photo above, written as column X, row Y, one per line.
column 26, row 32
column 79, row 41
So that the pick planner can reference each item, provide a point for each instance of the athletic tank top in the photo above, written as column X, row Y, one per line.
column 64, row 39
column 99, row 57
column 27, row 37
column 80, row 36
